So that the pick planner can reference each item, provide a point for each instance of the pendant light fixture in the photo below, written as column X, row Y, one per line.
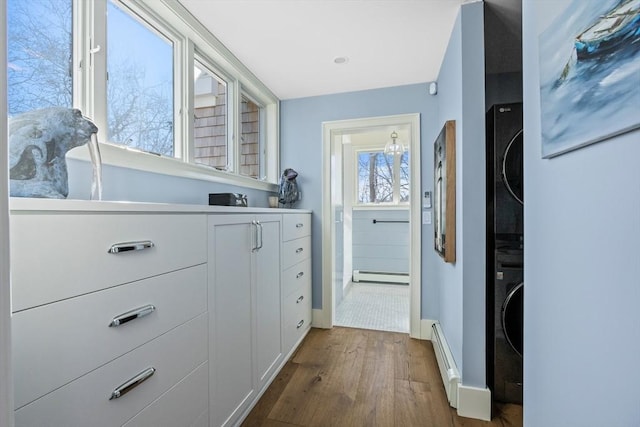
column 394, row 147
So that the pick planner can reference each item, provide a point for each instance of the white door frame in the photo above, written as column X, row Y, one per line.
column 324, row 317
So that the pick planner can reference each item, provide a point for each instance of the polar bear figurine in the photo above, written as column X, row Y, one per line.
column 38, row 143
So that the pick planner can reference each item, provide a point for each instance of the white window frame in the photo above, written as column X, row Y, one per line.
column 262, row 132
column 188, row 36
column 232, row 84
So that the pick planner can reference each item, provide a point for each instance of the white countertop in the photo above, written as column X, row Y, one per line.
column 19, row 204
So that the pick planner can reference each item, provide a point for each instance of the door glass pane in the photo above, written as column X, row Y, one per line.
column 404, row 177
column 375, row 177
column 250, row 138
column 40, row 46
column 140, row 84
column 210, row 109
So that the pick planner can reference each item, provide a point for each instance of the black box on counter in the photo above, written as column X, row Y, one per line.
column 228, row 199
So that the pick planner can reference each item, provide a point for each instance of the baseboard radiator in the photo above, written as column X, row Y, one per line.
column 446, row 364
column 380, row 276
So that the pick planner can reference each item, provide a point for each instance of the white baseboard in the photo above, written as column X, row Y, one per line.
column 474, row 402
column 425, row 329
column 380, row 276
column 318, row 319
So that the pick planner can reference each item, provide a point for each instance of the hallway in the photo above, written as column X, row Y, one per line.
column 377, row 306
column 353, row 377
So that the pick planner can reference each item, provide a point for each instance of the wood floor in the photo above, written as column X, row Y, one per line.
column 354, row 377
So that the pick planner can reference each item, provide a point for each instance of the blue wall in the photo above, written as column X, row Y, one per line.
column 582, row 271
column 134, row 185
column 301, row 147
column 448, row 290
column 459, row 297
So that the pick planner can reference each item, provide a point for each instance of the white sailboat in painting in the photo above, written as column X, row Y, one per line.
column 589, row 72
column 620, row 25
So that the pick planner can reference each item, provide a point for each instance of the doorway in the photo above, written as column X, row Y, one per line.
column 350, row 145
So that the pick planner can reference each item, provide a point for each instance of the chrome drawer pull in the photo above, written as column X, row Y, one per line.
column 299, row 225
column 299, row 250
column 299, row 300
column 299, row 275
column 130, row 246
column 132, row 314
column 259, row 225
column 126, row 387
column 300, row 323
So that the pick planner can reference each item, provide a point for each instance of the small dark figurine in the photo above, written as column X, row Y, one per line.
column 288, row 193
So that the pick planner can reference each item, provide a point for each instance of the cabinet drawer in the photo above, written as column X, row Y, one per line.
column 295, row 226
column 295, row 251
column 73, row 256
column 75, row 335
column 182, row 406
column 293, row 278
column 86, row 401
column 297, row 317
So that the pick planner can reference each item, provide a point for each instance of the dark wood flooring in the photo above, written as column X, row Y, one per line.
column 354, row 377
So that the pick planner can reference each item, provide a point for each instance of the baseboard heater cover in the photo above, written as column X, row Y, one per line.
column 446, row 364
column 380, row 276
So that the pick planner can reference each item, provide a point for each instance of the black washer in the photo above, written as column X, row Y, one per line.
column 512, row 317
column 512, row 168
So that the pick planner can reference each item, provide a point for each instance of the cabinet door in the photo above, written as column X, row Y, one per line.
column 268, row 298
column 231, row 239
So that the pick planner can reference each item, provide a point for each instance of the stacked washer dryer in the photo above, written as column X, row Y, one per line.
column 505, row 280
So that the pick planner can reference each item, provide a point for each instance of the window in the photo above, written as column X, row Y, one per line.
column 382, row 178
column 210, row 119
column 40, row 46
column 165, row 94
column 139, row 84
column 250, row 138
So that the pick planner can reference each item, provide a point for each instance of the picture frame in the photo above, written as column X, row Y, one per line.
column 588, row 68
column 444, row 200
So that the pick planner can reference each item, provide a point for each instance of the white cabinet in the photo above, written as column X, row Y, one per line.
column 60, row 255
column 76, row 336
column 88, row 401
column 244, row 296
column 268, row 300
column 188, row 313
column 296, row 279
column 109, row 315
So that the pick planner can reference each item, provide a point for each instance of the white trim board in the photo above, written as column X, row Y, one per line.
column 425, row 328
column 380, row 276
column 317, row 319
column 474, row 402
column 330, row 130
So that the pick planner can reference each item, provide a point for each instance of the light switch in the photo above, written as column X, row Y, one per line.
column 426, row 217
column 427, row 200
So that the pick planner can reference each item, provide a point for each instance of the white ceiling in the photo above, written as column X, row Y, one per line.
column 290, row 45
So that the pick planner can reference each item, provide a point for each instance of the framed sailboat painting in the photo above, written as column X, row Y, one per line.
column 589, row 71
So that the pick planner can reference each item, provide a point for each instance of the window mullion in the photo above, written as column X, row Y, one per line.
column 95, row 95
column 396, row 178
column 272, row 136
column 80, row 35
column 89, row 53
column 235, row 123
column 183, row 53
